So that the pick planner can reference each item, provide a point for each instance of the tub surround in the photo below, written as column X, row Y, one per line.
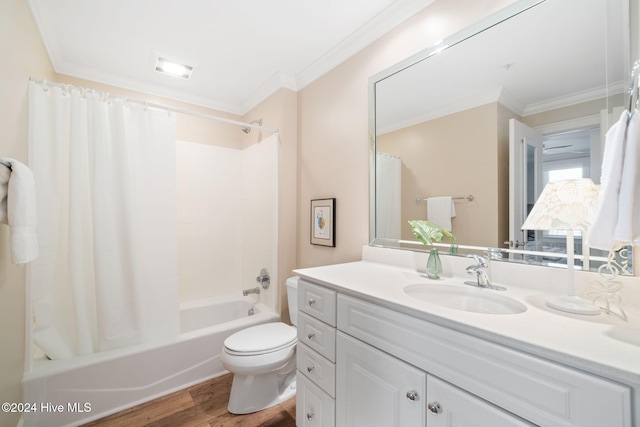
column 603, row 345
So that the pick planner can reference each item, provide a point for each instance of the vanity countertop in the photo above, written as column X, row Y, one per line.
column 602, row 344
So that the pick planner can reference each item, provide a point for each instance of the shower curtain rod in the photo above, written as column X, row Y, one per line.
column 65, row 86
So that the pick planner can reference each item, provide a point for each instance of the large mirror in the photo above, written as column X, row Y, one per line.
column 492, row 114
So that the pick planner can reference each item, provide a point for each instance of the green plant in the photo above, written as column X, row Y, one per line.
column 428, row 232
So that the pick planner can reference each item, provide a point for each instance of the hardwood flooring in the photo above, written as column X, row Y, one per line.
column 202, row 405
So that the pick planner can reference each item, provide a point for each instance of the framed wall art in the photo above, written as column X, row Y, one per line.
column 323, row 220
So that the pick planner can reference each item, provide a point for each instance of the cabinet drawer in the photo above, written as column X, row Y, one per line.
column 314, row 407
column 317, row 301
column 535, row 389
column 317, row 335
column 318, row 369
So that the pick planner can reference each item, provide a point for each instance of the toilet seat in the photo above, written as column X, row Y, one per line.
column 261, row 339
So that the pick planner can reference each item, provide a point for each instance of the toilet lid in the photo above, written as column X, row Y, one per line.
column 261, row 338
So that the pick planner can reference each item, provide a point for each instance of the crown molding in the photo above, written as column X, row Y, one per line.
column 91, row 74
column 510, row 101
column 275, row 83
column 573, row 99
column 390, row 18
column 47, row 33
column 443, row 111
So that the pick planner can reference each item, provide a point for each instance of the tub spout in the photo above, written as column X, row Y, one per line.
column 255, row 290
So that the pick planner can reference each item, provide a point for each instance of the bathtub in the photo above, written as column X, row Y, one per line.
column 85, row 388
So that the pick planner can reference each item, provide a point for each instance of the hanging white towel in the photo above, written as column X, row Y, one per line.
column 440, row 210
column 5, row 173
column 601, row 232
column 628, row 222
column 21, row 214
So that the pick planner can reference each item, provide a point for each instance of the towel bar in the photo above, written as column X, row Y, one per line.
column 469, row 198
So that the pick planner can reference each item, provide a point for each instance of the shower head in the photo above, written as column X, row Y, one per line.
column 248, row 129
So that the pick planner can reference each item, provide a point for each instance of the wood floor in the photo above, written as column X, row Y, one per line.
column 202, row 405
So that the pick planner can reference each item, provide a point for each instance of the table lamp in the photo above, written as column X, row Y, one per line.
column 566, row 205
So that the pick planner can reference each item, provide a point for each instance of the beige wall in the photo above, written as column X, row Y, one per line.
column 333, row 133
column 459, row 154
column 23, row 54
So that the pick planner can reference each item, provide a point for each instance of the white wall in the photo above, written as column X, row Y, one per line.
column 209, row 207
column 227, row 211
column 259, row 223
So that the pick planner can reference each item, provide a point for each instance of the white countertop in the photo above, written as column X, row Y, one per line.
column 602, row 344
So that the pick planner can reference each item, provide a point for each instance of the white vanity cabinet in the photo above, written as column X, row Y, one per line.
column 410, row 372
column 377, row 389
column 316, row 356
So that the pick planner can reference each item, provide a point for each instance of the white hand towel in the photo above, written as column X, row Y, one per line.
column 440, row 210
column 5, row 173
column 628, row 222
column 21, row 212
column 601, row 232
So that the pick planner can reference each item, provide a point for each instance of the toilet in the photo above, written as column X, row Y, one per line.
column 262, row 359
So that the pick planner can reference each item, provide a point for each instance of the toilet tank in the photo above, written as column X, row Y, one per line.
column 292, row 298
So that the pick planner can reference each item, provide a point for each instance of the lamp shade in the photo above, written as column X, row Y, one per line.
column 564, row 205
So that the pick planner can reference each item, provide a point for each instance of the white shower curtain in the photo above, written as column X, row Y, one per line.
column 388, row 196
column 106, row 190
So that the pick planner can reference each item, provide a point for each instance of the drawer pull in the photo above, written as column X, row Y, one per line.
column 310, row 415
column 310, row 368
column 311, row 335
column 434, row 408
column 412, row 395
column 311, row 301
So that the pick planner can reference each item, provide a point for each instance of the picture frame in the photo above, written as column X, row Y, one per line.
column 323, row 219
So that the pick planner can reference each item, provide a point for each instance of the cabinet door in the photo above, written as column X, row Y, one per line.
column 449, row 406
column 375, row 389
column 314, row 407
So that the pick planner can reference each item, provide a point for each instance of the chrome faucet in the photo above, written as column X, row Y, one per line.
column 255, row 290
column 482, row 278
column 264, row 278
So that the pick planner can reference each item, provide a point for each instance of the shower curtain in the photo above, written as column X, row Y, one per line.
column 388, row 196
column 106, row 192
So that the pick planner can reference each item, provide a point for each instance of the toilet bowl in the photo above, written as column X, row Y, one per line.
column 262, row 359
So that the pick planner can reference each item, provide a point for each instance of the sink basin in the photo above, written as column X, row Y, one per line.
column 465, row 298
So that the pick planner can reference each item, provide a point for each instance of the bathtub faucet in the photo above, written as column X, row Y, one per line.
column 255, row 290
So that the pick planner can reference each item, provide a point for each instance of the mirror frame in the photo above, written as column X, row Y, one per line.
column 516, row 8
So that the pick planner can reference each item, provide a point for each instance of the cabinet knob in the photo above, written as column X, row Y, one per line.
column 412, row 395
column 311, row 301
column 310, row 415
column 310, row 368
column 311, row 335
column 434, row 408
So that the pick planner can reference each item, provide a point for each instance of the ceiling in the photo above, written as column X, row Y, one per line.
column 533, row 62
column 242, row 50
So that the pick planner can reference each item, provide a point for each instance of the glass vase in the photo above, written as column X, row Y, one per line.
column 434, row 265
